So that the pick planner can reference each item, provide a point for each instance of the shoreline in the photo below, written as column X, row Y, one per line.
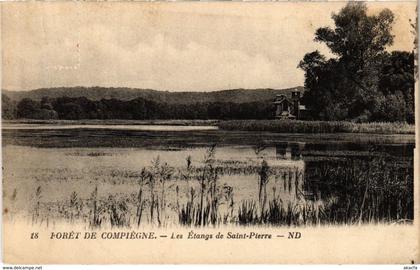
column 275, row 126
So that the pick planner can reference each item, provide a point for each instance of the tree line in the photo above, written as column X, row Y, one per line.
column 139, row 109
column 363, row 81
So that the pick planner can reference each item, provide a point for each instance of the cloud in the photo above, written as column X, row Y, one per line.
column 166, row 46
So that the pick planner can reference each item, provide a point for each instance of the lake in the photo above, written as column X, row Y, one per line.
column 129, row 175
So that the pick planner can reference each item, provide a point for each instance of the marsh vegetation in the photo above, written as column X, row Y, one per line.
column 293, row 126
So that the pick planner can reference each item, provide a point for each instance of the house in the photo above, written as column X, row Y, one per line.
column 290, row 108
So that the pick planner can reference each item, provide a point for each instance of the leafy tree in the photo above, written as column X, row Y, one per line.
column 357, row 82
column 8, row 108
column 27, row 108
column 397, row 79
column 358, row 38
column 31, row 109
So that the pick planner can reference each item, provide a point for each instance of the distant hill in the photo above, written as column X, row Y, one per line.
column 98, row 93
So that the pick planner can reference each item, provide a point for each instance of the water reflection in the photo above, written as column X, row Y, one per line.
column 289, row 150
column 311, row 180
column 353, row 183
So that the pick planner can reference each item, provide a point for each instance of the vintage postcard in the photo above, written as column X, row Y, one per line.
column 209, row 132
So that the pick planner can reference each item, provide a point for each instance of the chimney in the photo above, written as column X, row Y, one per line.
column 296, row 103
column 295, row 95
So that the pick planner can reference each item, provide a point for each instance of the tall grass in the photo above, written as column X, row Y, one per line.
column 141, row 202
column 354, row 191
column 95, row 213
column 114, row 211
column 262, row 185
column 210, row 195
column 344, row 191
column 37, row 205
column 155, row 178
column 298, row 126
column 248, row 213
column 364, row 190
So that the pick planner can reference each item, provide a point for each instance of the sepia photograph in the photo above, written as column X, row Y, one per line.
column 189, row 126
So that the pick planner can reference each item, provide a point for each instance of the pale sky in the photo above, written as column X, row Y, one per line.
column 201, row 46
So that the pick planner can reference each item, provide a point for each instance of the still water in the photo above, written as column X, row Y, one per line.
column 344, row 178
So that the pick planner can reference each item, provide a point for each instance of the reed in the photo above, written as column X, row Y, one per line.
column 353, row 190
column 75, row 207
column 188, row 214
column 155, row 178
column 210, row 196
column 37, row 207
column 248, row 213
column 140, row 198
column 118, row 212
column 299, row 126
column 95, row 213
column 372, row 190
column 262, row 185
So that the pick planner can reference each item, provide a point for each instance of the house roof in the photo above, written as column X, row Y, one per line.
column 281, row 99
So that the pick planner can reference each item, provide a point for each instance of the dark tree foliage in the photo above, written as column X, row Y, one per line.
column 396, row 82
column 363, row 82
column 8, row 108
column 28, row 108
column 139, row 108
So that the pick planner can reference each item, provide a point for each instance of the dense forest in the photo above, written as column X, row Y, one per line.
column 140, row 104
column 139, row 108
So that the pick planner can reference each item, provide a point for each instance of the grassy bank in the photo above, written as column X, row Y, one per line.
column 171, row 122
column 296, row 126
